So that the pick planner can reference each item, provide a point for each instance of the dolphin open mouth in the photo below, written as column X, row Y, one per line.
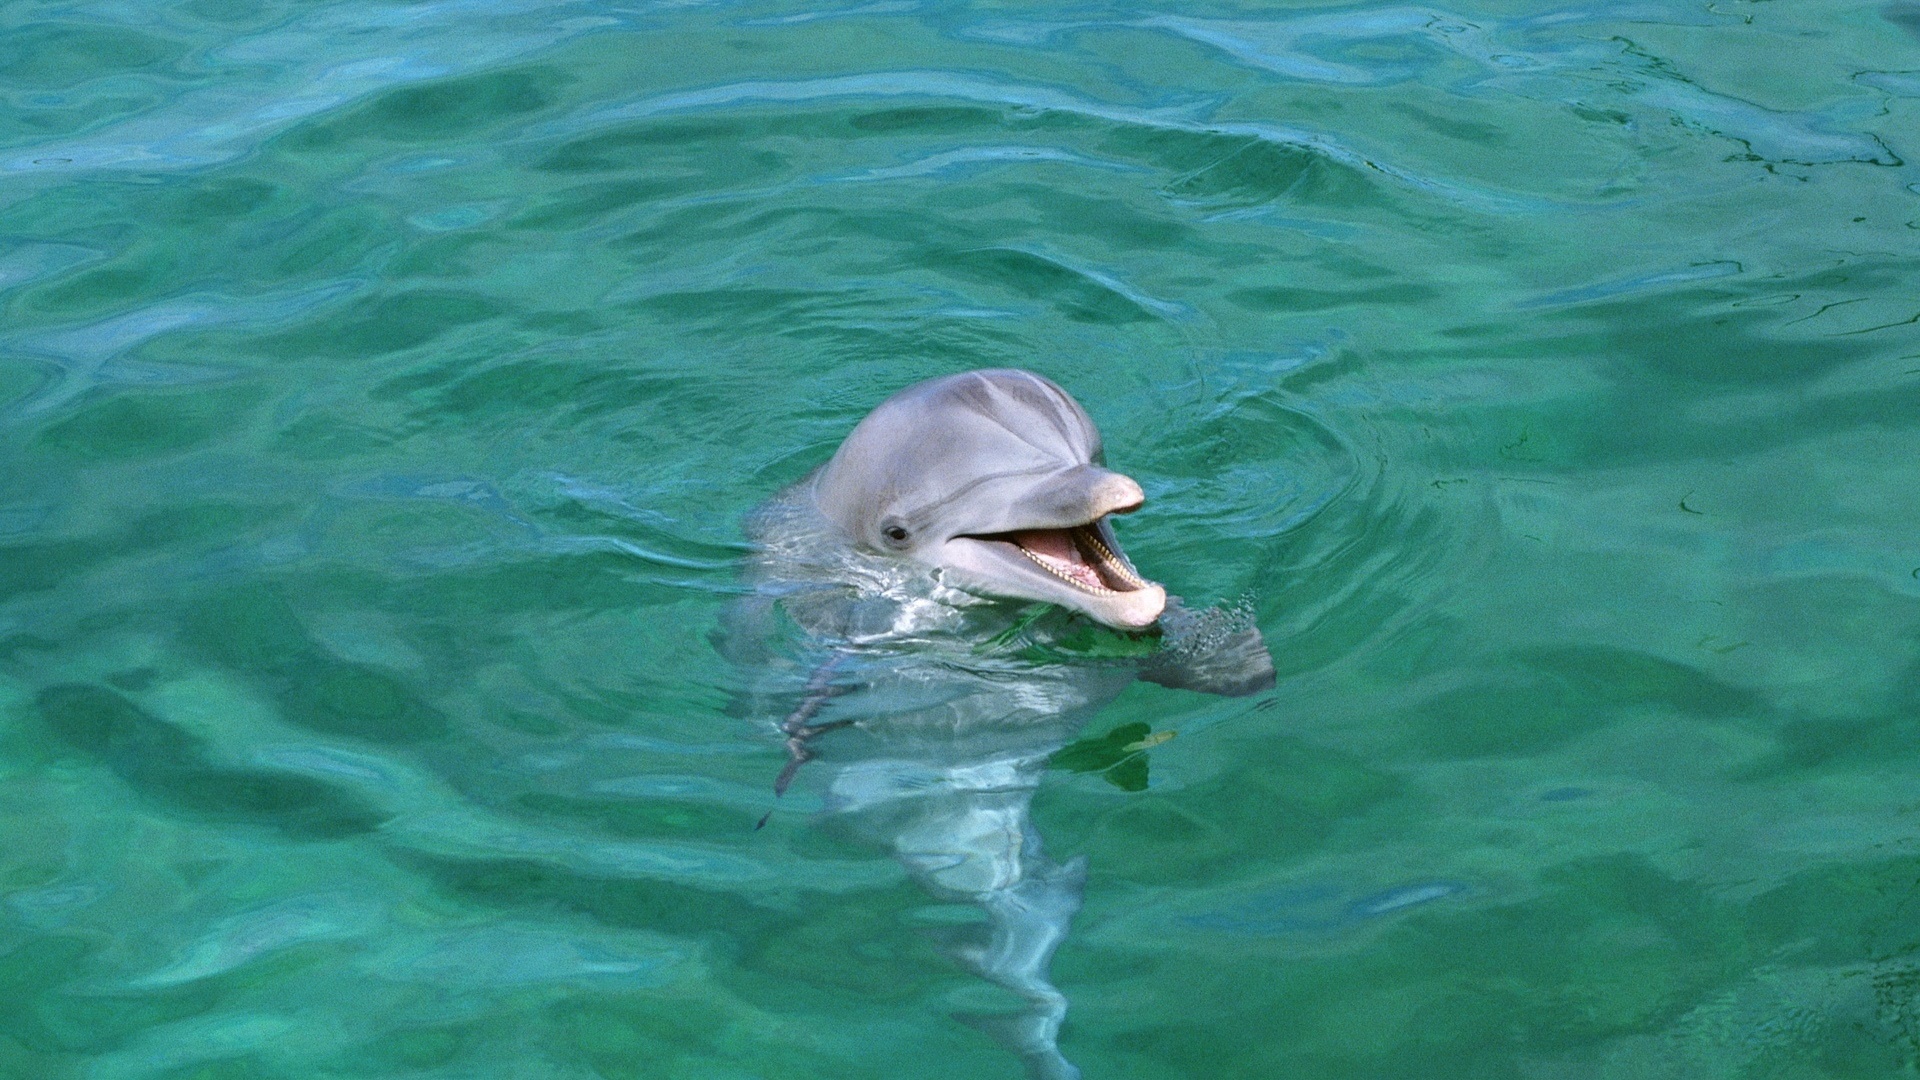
column 1078, row 555
column 1060, row 549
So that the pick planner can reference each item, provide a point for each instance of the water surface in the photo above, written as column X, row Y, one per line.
column 382, row 385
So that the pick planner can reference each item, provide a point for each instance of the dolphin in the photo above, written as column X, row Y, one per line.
column 945, row 571
column 992, row 480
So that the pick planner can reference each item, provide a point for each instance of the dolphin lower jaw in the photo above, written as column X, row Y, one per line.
column 1078, row 567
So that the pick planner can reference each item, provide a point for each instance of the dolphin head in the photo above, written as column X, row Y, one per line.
column 993, row 480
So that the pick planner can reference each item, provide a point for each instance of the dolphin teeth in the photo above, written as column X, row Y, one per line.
column 1114, row 562
column 1047, row 563
column 1085, row 537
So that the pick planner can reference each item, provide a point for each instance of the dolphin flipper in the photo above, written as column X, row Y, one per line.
column 746, row 629
column 1210, row 651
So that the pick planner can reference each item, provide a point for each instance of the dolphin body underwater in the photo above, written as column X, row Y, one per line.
column 957, row 607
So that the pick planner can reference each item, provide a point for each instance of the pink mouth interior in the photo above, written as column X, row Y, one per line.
column 1078, row 555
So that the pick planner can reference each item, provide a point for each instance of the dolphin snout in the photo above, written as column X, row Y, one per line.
column 1113, row 493
column 1088, row 493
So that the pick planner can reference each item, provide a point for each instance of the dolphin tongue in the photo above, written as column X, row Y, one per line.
column 1064, row 555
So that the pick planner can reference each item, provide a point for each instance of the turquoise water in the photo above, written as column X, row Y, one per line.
column 382, row 387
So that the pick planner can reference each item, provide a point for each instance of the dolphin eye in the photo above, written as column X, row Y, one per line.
column 895, row 533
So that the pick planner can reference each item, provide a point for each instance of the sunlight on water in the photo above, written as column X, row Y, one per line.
column 384, row 387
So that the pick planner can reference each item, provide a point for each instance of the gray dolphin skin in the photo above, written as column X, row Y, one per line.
column 992, row 480
column 956, row 607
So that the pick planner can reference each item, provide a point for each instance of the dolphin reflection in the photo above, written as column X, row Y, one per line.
column 956, row 607
column 964, row 832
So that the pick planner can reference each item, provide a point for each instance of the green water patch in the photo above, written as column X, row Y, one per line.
column 170, row 767
column 626, row 817
column 1119, row 756
column 215, row 201
column 257, row 634
column 327, row 241
column 510, row 884
column 151, row 425
column 393, row 323
column 1291, row 793
column 1561, row 694
column 572, row 388
column 130, row 277
column 585, row 204
column 1074, row 293
column 1280, row 298
column 20, row 378
column 450, row 109
column 1253, row 172
column 57, row 56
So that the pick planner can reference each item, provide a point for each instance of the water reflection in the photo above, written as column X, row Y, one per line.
column 931, row 746
column 932, row 752
column 964, row 830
